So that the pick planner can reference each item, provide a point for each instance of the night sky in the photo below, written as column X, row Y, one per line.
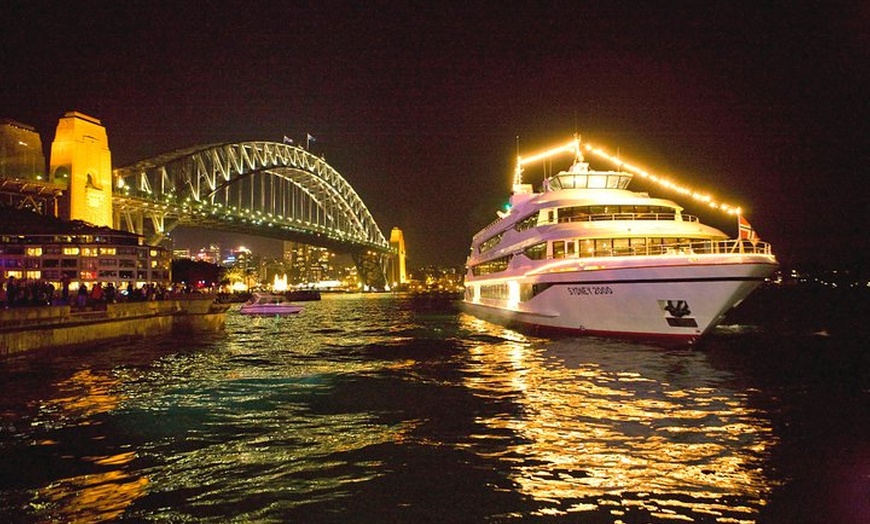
column 419, row 105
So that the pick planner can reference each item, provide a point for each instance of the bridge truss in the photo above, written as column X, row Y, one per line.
column 260, row 188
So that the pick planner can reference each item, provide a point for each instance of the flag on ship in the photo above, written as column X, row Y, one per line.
column 745, row 230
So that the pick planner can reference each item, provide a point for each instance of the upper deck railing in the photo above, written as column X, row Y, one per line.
column 667, row 217
column 601, row 217
column 606, row 247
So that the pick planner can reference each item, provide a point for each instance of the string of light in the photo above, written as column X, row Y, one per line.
column 575, row 147
column 703, row 198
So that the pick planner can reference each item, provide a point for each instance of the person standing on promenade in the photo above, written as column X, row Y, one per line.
column 64, row 293
column 11, row 291
column 97, row 293
column 82, row 295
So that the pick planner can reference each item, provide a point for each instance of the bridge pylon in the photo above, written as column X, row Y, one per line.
column 371, row 267
column 81, row 159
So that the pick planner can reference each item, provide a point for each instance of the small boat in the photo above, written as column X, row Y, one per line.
column 269, row 304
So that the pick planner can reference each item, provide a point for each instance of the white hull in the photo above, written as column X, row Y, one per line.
column 680, row 298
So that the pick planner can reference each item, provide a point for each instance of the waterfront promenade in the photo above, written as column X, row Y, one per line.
column 32, row 327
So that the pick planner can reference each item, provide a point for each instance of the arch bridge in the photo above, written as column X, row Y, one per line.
column 260, row 188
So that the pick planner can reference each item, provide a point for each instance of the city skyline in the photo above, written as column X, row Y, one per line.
column 423, row 109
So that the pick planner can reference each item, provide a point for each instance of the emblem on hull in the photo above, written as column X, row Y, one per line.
column 678, row 312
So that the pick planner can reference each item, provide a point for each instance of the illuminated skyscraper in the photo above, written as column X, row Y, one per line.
column 310, row 264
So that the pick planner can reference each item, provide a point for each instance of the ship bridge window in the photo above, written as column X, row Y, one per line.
column 490, row 243
column 597, row 182
column 568, row 182
column 537, row 251
column 638, row 246
column 616, row 212
column 621, row 247
column 573, row 214
column 527, row 223
column 564, row 249
column 591, row 181
column 603, row 247
column 491, row 266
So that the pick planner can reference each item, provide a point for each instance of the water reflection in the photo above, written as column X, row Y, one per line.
column 107, row 487
column 612, row 426
column 258, row 428
column 84, row 394
column 367, row 410
column 94, row 497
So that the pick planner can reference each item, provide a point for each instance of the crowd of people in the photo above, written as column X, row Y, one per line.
column 23, row 292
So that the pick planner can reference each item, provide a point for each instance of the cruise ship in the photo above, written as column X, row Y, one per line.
column 586, row 255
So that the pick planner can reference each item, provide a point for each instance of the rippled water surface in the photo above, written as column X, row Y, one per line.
column 393, row 409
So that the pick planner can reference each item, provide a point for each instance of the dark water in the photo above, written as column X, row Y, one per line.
column 390, row 409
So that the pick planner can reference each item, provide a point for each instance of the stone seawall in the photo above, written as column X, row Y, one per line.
column 29, row 328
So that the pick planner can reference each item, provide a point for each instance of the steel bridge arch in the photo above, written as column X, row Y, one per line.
column 263, row 188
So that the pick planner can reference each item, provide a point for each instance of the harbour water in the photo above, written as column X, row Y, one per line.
column 384, row 408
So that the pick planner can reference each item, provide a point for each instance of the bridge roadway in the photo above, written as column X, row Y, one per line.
column 261, row 188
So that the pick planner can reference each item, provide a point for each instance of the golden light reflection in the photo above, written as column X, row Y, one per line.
column 97, row 497
column 86, row 393
column 104, row 494
column 600, row 419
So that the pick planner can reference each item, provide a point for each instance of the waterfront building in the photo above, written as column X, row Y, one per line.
column 211, row 254
column 82, row 248
column 183, row 253
column 23, row 180
column 437, row 278
column 42, row 248
column 21, row 153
